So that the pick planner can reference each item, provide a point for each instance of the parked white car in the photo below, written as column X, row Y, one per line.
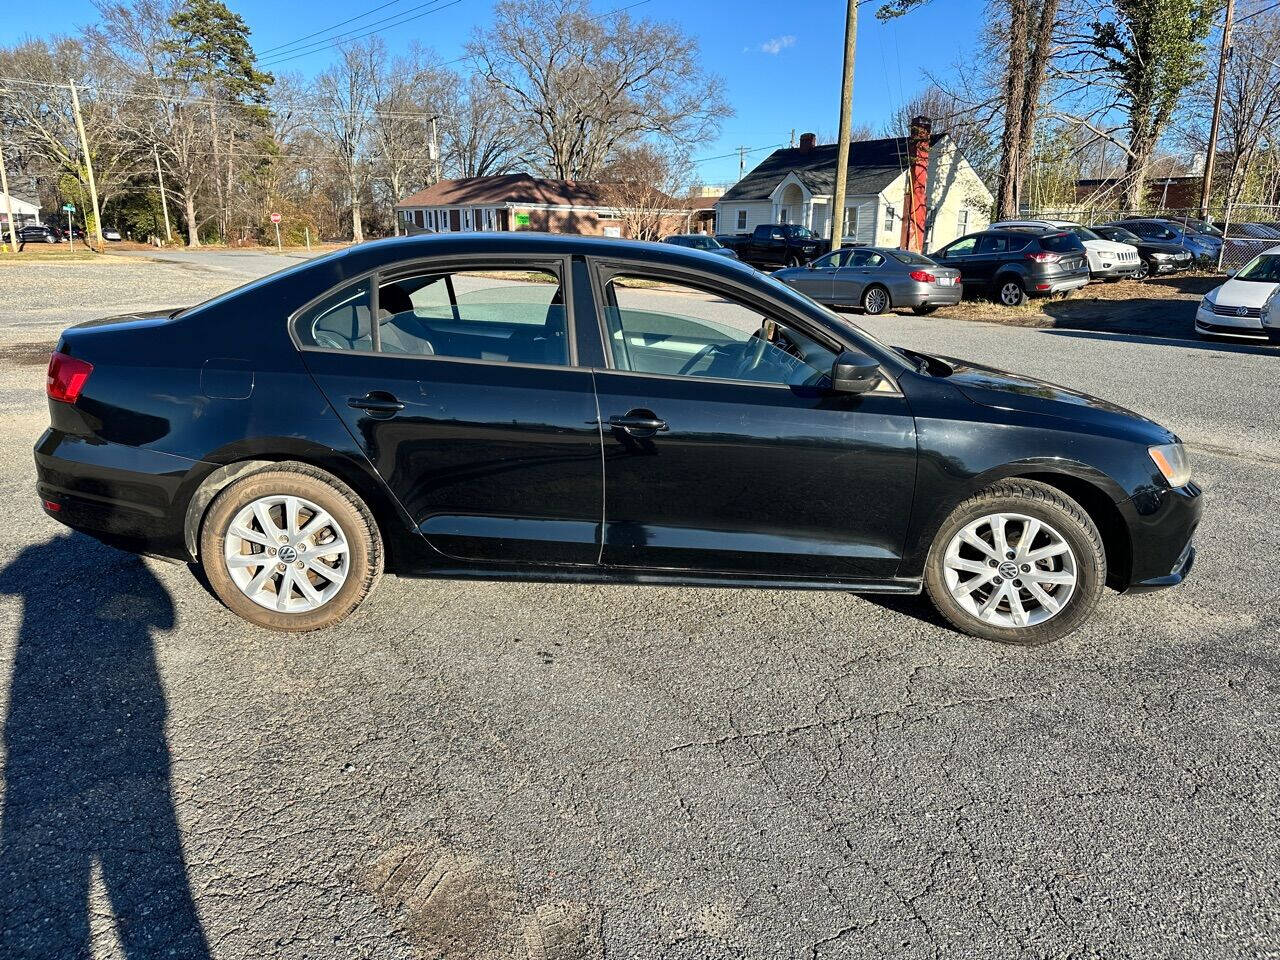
column 1108, row 260
column 1235, row 308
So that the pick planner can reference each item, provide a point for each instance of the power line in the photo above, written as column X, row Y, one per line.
column 740, row 150
column 346, row 37
column 343, row 23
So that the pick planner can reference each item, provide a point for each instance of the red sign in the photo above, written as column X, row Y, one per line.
column 275, row 218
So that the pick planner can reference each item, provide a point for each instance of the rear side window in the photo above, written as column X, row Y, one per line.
column 513, row 316
column 1001, row 244
column 340, row 321
column 1061, row 243
column 915, row 259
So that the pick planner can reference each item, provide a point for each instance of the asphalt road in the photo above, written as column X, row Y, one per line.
column 498, row 770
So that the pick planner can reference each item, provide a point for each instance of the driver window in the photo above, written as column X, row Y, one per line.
column 661, row 327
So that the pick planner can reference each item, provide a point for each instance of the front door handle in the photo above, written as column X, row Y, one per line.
column 638, row 424
column 376, row 402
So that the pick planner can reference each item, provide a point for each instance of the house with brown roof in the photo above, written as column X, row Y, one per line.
column 515, row 201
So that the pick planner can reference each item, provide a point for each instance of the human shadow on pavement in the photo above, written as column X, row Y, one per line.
column 86, row 774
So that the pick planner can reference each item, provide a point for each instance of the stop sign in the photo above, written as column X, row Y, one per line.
column 275, row 218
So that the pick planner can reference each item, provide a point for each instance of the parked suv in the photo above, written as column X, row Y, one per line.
column 1157, row 256
column 1012, row 265
column 1108, row 259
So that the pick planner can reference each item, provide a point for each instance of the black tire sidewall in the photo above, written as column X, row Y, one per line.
column 335, row 498
column 1043, row 503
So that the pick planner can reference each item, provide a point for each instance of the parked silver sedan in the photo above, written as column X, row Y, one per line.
column 876, row 279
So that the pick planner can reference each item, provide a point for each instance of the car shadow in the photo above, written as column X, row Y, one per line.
column 86, row 773
column 1262, row 347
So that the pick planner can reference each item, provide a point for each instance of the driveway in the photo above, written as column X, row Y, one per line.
column 500, row 770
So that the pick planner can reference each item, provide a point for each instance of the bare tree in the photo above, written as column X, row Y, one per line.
column 641, row 184
column 482, row 134
column 591, row 85
column 345, row 100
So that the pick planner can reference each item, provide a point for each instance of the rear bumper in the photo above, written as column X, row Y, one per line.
column 1163, row 524
column 929, row 295
column 1044, row 287
column 128, row 496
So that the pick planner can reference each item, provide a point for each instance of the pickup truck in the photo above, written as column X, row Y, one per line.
column 776, row 244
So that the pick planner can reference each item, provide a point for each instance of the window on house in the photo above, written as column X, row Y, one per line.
column 890, row 218
column 742, row 219
column 851, row 221
column 962, row 222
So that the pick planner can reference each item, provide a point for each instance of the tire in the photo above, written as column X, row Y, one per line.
column 1143, row 271
column 793, row 263
column 1011, row 291
column 1072, row 578
column 251, row 590
column 875, row 300
column 924, row 309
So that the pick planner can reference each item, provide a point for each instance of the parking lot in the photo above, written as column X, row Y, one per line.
column 499, row 770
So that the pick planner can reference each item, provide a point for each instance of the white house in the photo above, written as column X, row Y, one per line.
column 23, row 212
column 888, row 180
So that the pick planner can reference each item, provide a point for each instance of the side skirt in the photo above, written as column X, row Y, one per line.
column 663, row 578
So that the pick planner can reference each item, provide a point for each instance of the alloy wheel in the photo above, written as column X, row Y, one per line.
column 286, row 554
column 1011, row 294
column 876, row 301
column 1010, row 570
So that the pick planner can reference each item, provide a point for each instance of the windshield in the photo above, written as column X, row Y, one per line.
column 704, row 243
column 804, row 232
column 1121, row 235
column 1084, row 233
column 1261, row 269
column 1199, row 226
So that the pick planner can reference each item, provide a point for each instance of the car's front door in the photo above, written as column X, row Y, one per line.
column 962, row 255
column 816, row 279
column 723, row 449
column 460, row 385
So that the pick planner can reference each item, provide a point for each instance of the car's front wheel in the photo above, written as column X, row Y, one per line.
column 1019, row 562
column 1143, row 271
column 290, row 548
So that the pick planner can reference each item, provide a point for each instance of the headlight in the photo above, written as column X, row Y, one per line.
column 1171, row 458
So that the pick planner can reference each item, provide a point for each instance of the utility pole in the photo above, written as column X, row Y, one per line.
column 8, row 202
column 88, row 165
column 742, row 162
column 164, row 198
column 846, row 124
column 435, row 148
column 1207, row 186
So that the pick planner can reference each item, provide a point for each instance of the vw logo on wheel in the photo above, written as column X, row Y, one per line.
column 288, row 554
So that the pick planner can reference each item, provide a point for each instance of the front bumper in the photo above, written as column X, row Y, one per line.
column 1170, row 266
column 1117, row 271
column 1216, row 325
column 1162, row 526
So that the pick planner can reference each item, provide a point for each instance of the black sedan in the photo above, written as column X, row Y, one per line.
column 1158, row 256
column 575, row 409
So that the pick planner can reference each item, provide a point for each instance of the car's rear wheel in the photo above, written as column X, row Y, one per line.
column 1019, row 562
column 290, row 548
column 1012, row 293
column 875, row 300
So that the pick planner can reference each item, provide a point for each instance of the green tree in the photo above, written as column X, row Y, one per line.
column 209, row 51
column 1154, row 53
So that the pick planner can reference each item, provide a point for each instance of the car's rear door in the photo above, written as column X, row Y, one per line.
column 725, row 453
column 466, row 396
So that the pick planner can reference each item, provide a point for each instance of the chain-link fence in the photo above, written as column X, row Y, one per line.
column 1224, row 241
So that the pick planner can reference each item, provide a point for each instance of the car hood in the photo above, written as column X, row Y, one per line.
column 1010, row 391
column 1108, row 246
column 1241, row 293
column 1163, row 246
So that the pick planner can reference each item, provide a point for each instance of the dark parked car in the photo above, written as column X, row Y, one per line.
column 700, row 241
column 1014, row 264
column 39, row 233
column 876, row 279
column 578, row 409
column 1158, row 255
column 776, row 245
column 1202, row 247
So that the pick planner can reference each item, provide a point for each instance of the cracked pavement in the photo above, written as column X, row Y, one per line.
column 499, row 770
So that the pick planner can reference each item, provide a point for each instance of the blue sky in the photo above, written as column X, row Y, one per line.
column 780, row 60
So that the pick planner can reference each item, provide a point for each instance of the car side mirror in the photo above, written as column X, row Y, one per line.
column 854, row 372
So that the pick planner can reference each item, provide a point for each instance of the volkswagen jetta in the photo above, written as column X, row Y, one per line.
column 566, row 408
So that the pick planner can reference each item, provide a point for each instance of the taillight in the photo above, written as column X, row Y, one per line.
column 1042, row 257
column 67, row 377
column 923, row 276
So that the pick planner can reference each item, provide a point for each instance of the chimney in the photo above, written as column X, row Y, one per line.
column 915, row 205
column 808, row 141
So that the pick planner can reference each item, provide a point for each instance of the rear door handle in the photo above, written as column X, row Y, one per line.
column 637, row 424
column 376, row 401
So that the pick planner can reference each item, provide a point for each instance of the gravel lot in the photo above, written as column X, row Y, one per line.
column 497, row 770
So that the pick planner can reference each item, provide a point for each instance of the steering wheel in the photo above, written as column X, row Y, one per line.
column 697, row 358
